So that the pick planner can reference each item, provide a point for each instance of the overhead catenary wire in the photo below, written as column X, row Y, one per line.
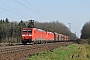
column 36, row 8
column 19, row 12
column 30, row 9
column 12, row 12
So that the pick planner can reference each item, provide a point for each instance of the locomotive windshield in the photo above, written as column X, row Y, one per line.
column 24, row 30
column 27, row 31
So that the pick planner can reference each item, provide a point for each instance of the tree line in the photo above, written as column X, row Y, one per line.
column 85, row 32
column 10, row 32
column 55, row 26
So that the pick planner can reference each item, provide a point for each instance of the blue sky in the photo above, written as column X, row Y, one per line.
column 76, row 12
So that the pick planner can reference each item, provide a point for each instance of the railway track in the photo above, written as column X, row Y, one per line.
column 9, row 44
column 21, row 52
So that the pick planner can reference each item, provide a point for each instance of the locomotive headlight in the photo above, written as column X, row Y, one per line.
column 30, row 35
column 23, row 35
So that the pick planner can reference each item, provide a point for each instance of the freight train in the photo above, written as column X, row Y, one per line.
column 41, row 36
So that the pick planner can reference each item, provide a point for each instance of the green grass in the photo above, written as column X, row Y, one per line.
column 71, row 52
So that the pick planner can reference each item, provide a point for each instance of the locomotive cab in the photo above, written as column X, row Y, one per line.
column 26, row 35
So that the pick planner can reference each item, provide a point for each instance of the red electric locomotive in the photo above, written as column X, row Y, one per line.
column 36, row 35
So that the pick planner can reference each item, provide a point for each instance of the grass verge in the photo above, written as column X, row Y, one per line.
column 71, row 52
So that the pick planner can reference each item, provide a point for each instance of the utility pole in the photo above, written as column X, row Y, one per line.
column 69, row 26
